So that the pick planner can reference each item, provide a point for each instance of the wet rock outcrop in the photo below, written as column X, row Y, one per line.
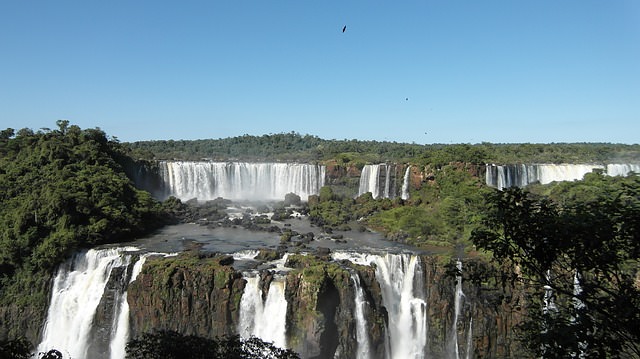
column 200, row 295
column 490, row 310
column 189, row 294
column 321, row 308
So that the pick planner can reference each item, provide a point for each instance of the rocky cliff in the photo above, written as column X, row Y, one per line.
column 321, row 308
column 200, row 295
column 191, row 294
column 490, row 310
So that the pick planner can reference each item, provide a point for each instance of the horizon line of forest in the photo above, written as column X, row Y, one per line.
column 296, row 147
column 292, row 146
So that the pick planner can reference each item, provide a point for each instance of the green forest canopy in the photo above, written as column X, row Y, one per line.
column 295, row 147
column 61, row 190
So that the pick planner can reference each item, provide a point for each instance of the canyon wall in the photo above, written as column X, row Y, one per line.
column 202, row 296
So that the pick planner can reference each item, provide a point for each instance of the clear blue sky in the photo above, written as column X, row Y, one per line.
column 432, row 71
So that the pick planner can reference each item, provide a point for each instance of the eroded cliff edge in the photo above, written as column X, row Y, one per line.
column 200, row 294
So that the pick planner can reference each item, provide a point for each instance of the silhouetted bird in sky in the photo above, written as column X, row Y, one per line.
column 344, row 28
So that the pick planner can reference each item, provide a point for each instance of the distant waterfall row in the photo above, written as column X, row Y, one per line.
column 96, row 281
column 505, row 176
column 239, row 180
column 207, row 180
column 381, row 181
column 272, row 181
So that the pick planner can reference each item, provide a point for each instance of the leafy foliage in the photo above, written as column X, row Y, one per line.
column 583, row 247
column 333, row 211
column 61, row 190
column 172, row 345
column 295, row 147
column 15, row 349
column 21, row 349
column 443, row 212
column 274, row 147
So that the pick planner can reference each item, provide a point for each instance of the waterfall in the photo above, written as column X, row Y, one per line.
column 379, row 180
column 245, row 254
column 387, row 182
column 457, row 308
column 622, row 169
column 402, row 294
column 522, row 175
column 405, row 183
column 548, row 308
column 362, row 336
column 401, row 280
column 77, row 290
column 579, row 308
column 120, row 331
column 505, row 176
column 549, row 304
column 240, row 180
column 264, row 318
column 470, row 339
column 369, row 180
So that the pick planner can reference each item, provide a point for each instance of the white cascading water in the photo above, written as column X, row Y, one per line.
column 76, row 293
column 549, row 304
column 505, row 176
column 402, row 293
column 362, row 334
column 239, row 180
column 369, row 180
column 401, row 282
column 405, row 183
column 522, row 175
column 622, row 169
column 265, row 319
column 245, row 254
column 387, row 182
column 457, row 307
column 470, row 339
column 578, row 306
column 120, row 331
column 548, row 307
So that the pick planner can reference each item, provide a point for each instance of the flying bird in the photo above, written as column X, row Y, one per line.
column 344, row 28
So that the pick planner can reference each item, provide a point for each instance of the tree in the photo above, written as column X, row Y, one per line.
column 580, row 262
column 173, row 345
column 15, row 349
column 6, row 134
column 21, row 349
column 59, row 191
